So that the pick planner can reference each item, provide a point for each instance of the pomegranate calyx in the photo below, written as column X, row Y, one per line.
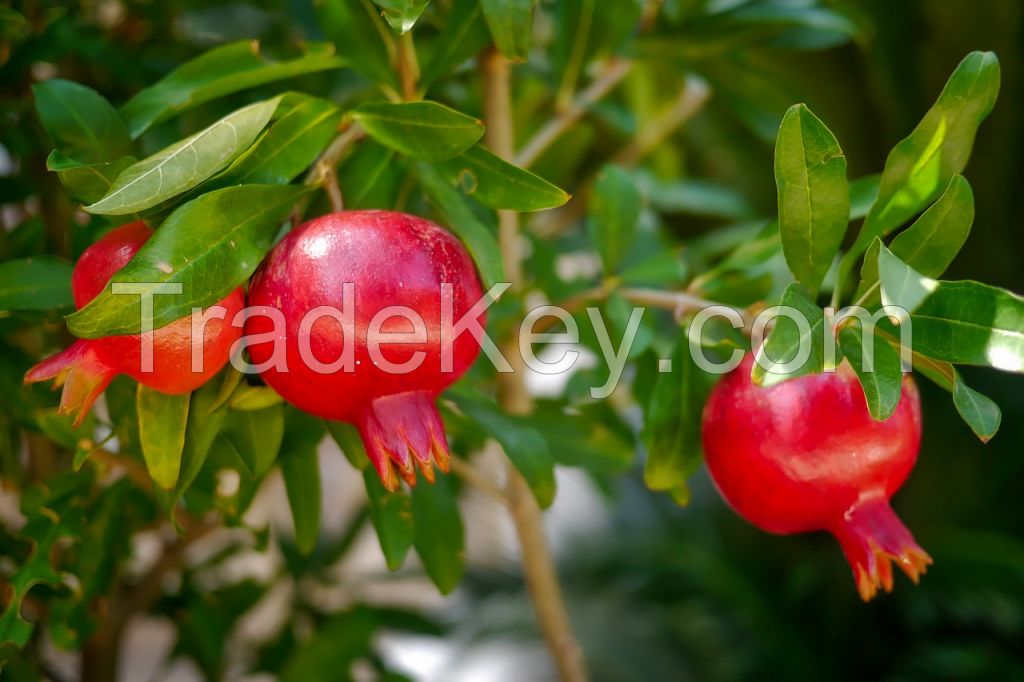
column 404, row 431
column 872, row 538
column 82, row 374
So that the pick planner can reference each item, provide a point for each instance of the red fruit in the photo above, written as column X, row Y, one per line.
column 806, row 455
column 88, row 365
column 390, row 259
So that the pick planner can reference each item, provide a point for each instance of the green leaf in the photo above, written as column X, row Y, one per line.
column 362, row 170
column 254, row 398
column 930, row 244
column 391, row 515
column 210, row 246
column 901, row 286
column 464, row 34
column 863, row 194
column 979, row 411
column 614, row 212
column 672, row 424
column 301, row 469
column 35, row 284
column 880, row 374
column 221, row 71
column 511, row 24
column 693, row 197
column 499, row 184
column 202, row 427
column 438, row 534
column 256, row 436
column 87, row 182
column 287, row 148
column 185, row 164
column 523, row 444
column 162, row 421
column 81, row 122
column 360, row 36
column 813, row 195
column 461, row 220
column 921, row 166
column 349, row 442
column 425, row 130
column 786, row 338
column 402, row 15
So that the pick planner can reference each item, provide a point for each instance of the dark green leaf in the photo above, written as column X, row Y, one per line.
column 461, row 220
column 87, row 182
column 423, row 130
column 614, row 211
column 438, row 534
column 361, row 37
column 81, row 122
column 979, row 411
column 162, row 421
column 185, row 164
column 391, row 515
column 210, row 246
column 221, row 71
column 672, row 424
column 361, row 171
column 256, row 436
column 788, row 338
column 880, row 372
column 523, row 444
column 930, row 244
column 499, row 184
column 287, row 148
column 301, row 469
column 35, row 284
column 813, row 194
column 511, row 24
column 402, row 15
column 464, row 34
column 921, row 166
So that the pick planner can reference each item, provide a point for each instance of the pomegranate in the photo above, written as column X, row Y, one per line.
column 88, row 365
column 806, row 455
column 390, row 263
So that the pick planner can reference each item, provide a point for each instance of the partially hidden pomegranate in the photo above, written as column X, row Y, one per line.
column 88, row 366
column 394, row 266
column 806, row 455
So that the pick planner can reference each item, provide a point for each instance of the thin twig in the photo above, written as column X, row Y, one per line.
column 612, row 74
column 469, row 473
column 538, row 564
column 691, row 99
column 679, row 302
column 408, row 66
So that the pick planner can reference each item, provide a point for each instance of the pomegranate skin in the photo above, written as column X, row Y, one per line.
column 387, row 259
column 88, row 366
column 806, row 455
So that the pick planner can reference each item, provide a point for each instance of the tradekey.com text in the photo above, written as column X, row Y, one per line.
column 398, row 339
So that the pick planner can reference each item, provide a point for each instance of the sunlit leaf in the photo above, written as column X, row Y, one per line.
column 803, row 330
column 877, row 364
column 499, row 184
column 162, row 420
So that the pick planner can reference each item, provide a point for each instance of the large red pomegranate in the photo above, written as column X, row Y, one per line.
column 88, row 365
column 806, row 455
column 385, row 259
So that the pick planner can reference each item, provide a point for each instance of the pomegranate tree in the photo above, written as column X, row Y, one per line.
column 387, row 260
column 806, row 455
column 89, row 365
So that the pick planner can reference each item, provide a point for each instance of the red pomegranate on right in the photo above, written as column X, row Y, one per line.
column 806, row 455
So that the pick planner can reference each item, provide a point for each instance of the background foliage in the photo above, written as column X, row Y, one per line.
column 656, row 591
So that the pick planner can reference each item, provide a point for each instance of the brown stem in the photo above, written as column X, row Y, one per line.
column 538, row 565
column 469, row 473
column 408, row 67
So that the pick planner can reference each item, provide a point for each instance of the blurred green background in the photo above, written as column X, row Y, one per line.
column 667, row 593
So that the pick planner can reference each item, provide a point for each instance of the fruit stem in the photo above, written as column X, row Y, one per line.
column 538, row 564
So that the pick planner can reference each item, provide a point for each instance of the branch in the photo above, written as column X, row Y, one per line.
column 471, row 475
column 538, row 565
column 613, row 73
column 691, row 99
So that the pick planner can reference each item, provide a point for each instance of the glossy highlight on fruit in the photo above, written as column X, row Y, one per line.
column 88, row 366
column 806, row 455
column 386, row 259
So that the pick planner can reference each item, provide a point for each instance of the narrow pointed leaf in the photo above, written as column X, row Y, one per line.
column 499, row 184
column 877, row 366
column 813, row 195
column 788, row 338
column 210, row 246
column 511, row 24
column 427, row 131
column 361, row 171
column 81, row 122
column 87, row 182
column 402, row 15
column 221, row 71
column 438, row 535
column 300, row 467
column 901, row 285
column 613, row 215
column 162, row 421
column 979, row 411
column 391, row 515
column 185, row 164
column 256, row 436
